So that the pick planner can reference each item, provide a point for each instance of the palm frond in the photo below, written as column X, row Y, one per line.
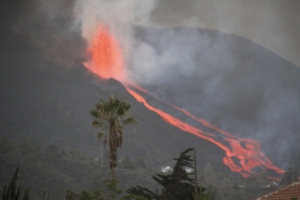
column 94, row 113
column 119, row 129
column 129, row 120
column 126, row 105
column 121, row 111
column 97, row 124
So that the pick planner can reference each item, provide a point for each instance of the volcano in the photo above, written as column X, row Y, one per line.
column 249, row 92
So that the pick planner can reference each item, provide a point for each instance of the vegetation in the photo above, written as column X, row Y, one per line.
column 55, row 170
column 177, row 185
column 110, row 117
column 14, row 192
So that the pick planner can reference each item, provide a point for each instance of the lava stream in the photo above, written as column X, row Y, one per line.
column 107, row 62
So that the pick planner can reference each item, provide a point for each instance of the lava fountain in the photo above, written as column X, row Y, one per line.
column 107, row 62
column 106, row 56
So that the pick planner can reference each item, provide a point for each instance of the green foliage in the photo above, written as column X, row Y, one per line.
column 71, row 195
column 111, row 188
column 85, row 195
column 176, row 185
column 132, row 197
column 111, row 191
column 208, row 195
column 110, row 117
column 12, row 192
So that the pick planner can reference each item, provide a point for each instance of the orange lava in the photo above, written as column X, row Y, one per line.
column 249, row 155
column 106, row 56
column 242, row 155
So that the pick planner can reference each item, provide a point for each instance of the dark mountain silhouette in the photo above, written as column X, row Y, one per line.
column 237, row 84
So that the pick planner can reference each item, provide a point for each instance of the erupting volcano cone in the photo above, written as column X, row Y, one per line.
column 106, row 56
column 107, row 62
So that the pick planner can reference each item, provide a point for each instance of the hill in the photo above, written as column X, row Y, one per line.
column 228, row 80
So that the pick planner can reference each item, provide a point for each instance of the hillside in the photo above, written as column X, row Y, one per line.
column 228, row 80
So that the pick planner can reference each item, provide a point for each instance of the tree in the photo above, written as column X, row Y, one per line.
column 12, row 192
column 110, row 192
column 110, row 117
column 177, row 185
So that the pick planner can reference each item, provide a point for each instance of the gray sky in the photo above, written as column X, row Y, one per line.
column 274, row 24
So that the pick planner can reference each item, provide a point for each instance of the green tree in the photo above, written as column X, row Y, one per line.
column 177, row 186
column 85, row 195
column 110, row 117
column 12, row 192
column 110, row 191
column 111, row 188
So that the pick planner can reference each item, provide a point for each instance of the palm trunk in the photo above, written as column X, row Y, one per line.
column 113, row 150
column 112, row 154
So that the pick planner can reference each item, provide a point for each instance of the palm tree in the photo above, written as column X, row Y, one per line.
column 110, row 117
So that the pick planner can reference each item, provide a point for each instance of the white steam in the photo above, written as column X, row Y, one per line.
column 119, row 15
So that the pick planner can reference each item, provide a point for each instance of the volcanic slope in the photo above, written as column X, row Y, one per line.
column 53, row 104
column 230, row 81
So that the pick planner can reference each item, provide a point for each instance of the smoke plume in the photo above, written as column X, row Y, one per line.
column 118, row 15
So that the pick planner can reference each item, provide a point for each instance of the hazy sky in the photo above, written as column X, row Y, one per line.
column 274, row 24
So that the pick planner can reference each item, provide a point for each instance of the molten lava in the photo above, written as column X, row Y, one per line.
column 107, row 62
column 106, row 56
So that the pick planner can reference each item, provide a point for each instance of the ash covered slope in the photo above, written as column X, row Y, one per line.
column 52, row 104
column 228, row 80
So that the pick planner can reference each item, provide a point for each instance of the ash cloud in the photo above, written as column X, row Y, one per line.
column 119, row 15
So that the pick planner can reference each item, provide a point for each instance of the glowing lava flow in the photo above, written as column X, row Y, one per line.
column 247, row 151
column 106, row 56
column 107, row 62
